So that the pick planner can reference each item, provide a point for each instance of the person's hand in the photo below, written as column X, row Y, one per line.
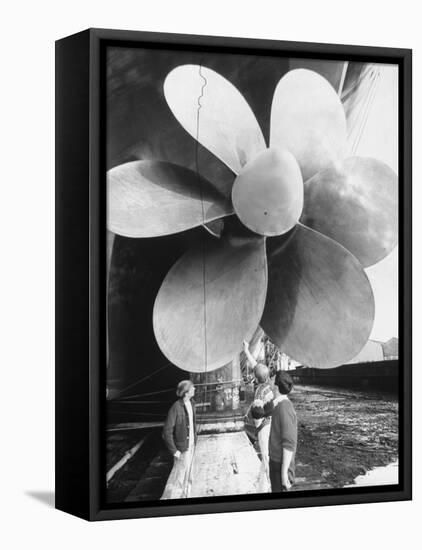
column 245, row 346
column 177, row 454
column 285, row 482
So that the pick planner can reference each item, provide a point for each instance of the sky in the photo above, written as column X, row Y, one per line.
column 380, row 140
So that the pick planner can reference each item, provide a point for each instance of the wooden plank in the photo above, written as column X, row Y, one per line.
column 224, row 464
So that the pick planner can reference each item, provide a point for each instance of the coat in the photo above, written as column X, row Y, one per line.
column 176, row 427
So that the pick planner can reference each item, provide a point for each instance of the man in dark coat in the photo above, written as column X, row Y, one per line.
column 179, row 434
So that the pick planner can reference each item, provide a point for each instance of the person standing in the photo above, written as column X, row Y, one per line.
column 283, row 436
column 261, row 410
column 180, row 434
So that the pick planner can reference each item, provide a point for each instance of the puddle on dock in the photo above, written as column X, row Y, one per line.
column 383, row 475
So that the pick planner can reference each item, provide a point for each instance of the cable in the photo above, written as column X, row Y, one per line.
column 371, row 97
column 205, row 82
column 348, row 95
column 146, row 394
column 356, row 130
column 145, row 377
column 343, row 78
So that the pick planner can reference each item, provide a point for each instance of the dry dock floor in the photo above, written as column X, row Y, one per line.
column 342, row 434
column 223, row 464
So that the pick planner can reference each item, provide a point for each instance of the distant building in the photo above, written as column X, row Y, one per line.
column 371, row 351
column 391, row 348
column 377, row 351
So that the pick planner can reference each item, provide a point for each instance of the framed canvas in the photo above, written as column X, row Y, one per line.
column 233, row 277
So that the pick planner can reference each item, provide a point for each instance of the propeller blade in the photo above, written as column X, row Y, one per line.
column 151, row 198
column 320, row 307
column 215, row 113
column 210, row 301
column 356, row 204
column 308, row 119
column 333, row 71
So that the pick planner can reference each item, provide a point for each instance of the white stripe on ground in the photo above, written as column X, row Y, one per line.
column 128, row 455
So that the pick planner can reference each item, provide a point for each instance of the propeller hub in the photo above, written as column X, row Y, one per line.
column 267, row 194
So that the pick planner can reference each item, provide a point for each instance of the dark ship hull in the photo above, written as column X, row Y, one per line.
column 374, row 375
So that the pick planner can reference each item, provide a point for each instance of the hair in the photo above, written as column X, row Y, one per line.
column 284, row 382
column 262, row 373
column 183, row 387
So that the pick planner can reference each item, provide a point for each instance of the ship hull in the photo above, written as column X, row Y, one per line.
column 375, row 375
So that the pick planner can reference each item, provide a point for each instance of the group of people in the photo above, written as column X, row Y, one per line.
column 275, row 423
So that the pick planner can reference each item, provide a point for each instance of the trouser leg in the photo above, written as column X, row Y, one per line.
column 187, row 481
column 275, row 476
column 263, row 438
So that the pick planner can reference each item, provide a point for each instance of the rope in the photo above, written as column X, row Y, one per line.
column 118, row 411
column 131, row 401
column 145, row 377
column 370, row 100
column 189, row 476
column 205, row 82
column 146, row 394
column 360, row 121
column 343, row 78
column 348, row 95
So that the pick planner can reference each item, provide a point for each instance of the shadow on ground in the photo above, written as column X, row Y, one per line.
column 45, row 497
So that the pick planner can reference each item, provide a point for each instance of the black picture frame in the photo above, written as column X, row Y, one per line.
column 81, row 268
